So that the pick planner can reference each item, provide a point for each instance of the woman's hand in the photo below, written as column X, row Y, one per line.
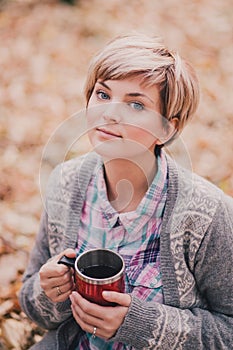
column 104, row 319
column 57, row 279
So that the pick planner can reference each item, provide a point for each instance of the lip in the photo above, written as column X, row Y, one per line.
column 108, row 133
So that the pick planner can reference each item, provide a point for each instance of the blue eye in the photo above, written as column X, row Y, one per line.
column 102, row 95
column 137, row 106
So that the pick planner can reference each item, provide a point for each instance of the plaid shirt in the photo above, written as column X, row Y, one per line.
column 135, row 235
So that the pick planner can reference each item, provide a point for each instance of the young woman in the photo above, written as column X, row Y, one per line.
column 173, row 228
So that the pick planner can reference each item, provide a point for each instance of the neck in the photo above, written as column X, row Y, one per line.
column 128, row 180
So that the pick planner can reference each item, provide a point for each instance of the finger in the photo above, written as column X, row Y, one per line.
column 102, row 330
column 87, row 327
column 107, row 319
column 48, row 282
column 118, row 298
column 52, row 270
column 66, row 278
column 58, row 294
column 86, row 308
column 84, row 319
column 69, row 252
column 64, row 288
column 57, row 297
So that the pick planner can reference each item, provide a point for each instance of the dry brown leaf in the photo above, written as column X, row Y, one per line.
column 15, row 333
column 46, row 47
column 5, row 307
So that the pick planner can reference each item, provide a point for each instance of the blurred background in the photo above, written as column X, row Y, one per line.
column 45, row 47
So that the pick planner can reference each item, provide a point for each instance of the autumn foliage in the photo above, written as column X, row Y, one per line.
column 44, row 53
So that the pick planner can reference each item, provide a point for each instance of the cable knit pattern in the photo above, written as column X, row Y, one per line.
column 167, row 340
column 194, row 209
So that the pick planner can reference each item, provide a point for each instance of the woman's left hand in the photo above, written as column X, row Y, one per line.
column 103, row 321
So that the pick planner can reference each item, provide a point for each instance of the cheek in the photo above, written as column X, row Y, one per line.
column 91, row 136
column 92, row 118
column 94, row 115
column 143, row 133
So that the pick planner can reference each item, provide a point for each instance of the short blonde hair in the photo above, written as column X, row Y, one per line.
column 147, row 57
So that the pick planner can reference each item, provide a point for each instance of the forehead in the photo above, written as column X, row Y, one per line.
column 134, row 83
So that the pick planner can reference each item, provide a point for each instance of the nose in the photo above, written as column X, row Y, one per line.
column 112, row 112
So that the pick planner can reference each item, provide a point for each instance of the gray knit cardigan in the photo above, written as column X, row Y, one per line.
column 196, row 250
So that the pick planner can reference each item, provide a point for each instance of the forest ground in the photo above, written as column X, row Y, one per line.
column 45, row 47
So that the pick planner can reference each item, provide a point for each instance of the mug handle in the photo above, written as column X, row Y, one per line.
column 67, row 261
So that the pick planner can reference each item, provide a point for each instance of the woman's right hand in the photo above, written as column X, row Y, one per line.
column 57, row 280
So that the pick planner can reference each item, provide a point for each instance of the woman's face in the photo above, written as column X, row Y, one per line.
column 124, row 118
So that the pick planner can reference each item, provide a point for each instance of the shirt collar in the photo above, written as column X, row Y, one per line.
column 152, row 203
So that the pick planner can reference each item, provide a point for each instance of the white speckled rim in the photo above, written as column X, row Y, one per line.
column 106, row 256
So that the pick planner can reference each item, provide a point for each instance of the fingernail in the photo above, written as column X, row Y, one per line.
column 74, row 293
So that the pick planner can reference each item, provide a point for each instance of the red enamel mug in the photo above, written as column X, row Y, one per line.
column 97, row 270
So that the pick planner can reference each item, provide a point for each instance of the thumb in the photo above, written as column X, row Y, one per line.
column 118, row 298
column 69, row 252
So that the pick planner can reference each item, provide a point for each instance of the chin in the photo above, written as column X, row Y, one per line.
column 116, row 150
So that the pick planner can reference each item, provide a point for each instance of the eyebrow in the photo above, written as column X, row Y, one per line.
column 103, row 84
column 138, row 94
column 131, row 94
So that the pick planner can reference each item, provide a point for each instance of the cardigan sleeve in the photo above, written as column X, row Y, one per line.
column 155, row 326
column 32, row 298
column 64, row 181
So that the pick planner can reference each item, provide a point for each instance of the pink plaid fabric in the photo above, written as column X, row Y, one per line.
column 135, row 235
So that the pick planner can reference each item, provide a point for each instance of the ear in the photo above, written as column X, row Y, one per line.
column 170, row 129
column 174, row 127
